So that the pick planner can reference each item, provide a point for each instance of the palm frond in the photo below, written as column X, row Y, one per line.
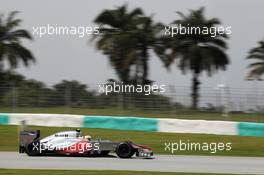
column 257, row 54
column 11, row 48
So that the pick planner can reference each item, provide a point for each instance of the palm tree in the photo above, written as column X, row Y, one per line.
column 114, row 38
column 148, row 36
column 197, row 52
column 126, row 38
column 257, row 68
column 11, row 48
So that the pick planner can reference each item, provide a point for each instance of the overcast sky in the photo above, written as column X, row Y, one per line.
column 69, row 57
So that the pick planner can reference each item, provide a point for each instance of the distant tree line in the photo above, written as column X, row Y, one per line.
column 16, row 90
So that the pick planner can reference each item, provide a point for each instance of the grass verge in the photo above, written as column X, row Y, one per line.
column 241, row 146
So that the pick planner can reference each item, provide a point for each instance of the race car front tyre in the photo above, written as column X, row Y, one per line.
column 125, row 150
column 33, row 149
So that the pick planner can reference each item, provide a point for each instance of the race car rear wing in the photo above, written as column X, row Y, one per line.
column 26, row 137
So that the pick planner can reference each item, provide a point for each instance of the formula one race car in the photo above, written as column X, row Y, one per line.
column 72, row 143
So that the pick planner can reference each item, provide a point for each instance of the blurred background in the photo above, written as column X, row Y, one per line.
column 203, row 75
column 69, row 96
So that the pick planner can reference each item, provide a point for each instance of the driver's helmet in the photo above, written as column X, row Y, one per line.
column 78, row 133
column 87, row 137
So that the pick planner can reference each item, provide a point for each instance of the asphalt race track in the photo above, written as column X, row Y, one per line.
column 164, row 163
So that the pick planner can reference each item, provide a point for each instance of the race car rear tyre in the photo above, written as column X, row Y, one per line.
column 125, row 150
column 33, row 149
column 21, row 149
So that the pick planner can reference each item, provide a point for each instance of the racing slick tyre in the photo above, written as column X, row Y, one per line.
column 125, row 150
column 21, row 149
column 33, row 149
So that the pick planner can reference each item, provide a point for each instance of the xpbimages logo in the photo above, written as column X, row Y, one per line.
column 130, row 88
column 61, row 30
column 212, row 147
column 81, row 147
column 197, row 30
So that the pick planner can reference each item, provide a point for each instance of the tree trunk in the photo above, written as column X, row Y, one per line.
column 145, row 71
column 144, row 55
column 195, row 90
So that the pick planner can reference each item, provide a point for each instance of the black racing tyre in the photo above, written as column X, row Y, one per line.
column 21, row 149
column 125, row 150
column 33, row 149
